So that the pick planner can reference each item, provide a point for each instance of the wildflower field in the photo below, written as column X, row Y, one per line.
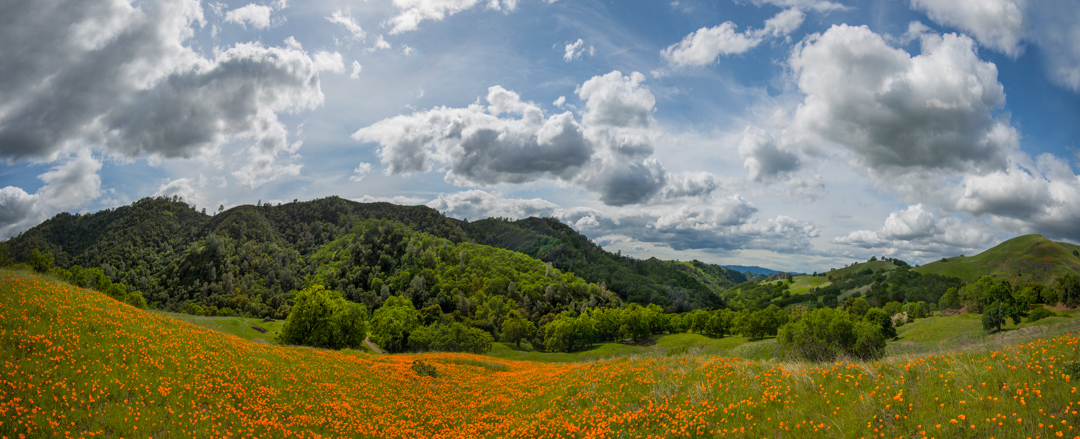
column 76, row 363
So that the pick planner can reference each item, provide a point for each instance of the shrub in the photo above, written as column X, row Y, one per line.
column 1039, row 314
column 322, row 318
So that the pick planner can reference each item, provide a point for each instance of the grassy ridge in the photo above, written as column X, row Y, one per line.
column 1028, row 258
column 78, row 363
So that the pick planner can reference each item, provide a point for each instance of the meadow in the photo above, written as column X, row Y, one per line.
column 77, row 363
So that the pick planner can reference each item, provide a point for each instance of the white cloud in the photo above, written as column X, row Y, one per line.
column 607, row 153
column 413, row 12
column 344, row 18
column 69, row 185
column 477, row 204
column 763, row 157
column 998, row 24
column 705, row 45
column 400, row 199
column 104, row 72
column 575, row 49
column 328, row 62
column 361, row 170
column 380, row 44
column 917, row 231
column 900, row 115
column 258, row 16
column 817, row 5
column 355, row 70
column 186, row 188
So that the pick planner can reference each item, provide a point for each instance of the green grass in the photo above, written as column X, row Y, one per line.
column 238, row 326
column 1028, row 258
column 803, row 284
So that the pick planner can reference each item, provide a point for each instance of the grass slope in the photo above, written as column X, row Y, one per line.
column 1028, row 258
column 79, row 364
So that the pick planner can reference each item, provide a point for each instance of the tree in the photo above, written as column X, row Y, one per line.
column 392, row 323
column 40, row 262
column 824, row 334
column 1033, row 292
column 883, row 321
column 515, row 328
column 950, row 300
column 1003, row 304
column 1067, row 288
column 857, row 306
column 322, row 318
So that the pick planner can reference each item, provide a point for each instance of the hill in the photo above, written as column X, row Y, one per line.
column 80, row 364
column 1028, row 258
column 677, row 285
column 249, row 258
column 752, row 269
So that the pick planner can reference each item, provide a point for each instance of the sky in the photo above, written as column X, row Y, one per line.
column 798, row 135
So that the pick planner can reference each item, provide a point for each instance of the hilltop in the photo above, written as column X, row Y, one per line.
column 1028, row 258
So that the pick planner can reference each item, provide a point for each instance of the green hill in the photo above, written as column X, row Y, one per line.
column 1028, row 258
column 249, row 258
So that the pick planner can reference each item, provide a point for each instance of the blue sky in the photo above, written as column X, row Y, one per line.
column 793, row 134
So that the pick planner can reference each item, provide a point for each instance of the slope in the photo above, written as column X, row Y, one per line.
column 1028, row 258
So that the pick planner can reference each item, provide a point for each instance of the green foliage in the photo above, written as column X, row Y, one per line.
column 882, row 320
column 1003, row 304
column 824, row 334
column 568, row 333
column 1039, row 314
column 760, row 323
column 450, row 337
column 1035, row 292
column 392, row 324
column 515, row 328
column 856, row 306
column 951, row 299
column 40, row 262
column 5, row 255
column 322, row 318
column 1067, row 288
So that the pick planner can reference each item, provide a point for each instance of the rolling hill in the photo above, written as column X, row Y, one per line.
column 1028, row 258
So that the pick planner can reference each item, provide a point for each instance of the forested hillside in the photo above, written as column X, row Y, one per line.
column 248, row 259
column 681, row 286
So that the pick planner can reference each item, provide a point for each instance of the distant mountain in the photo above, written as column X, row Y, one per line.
column 1028, row 258
column 249, row 258
column 753, row 269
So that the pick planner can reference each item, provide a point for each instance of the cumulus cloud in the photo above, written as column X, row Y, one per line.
column 763, row 157
column 258, row 16
column 400, row 199
column 105, row 72
column 68, row 185
column 380, row 44
column 413, row 12
column 187, row 188
column 723, row 225
column 344, row 18
column 705, row 45
column 919, row 232
column 511, row 141
column 355, row 70
column 898, row 114
column 478, row 204
column 998, row 24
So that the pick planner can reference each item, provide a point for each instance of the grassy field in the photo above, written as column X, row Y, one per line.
column 79, row 364
column 239, row 326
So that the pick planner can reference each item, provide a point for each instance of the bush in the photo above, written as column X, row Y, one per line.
column 322, row 318
column 1039, row 314
column 824, row 334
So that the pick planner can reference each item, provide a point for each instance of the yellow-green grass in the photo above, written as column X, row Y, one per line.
column 876, row 266
column 76, row 362
column 662, row 345
column 803, row 284
column 239, row 326
column 1028, row 258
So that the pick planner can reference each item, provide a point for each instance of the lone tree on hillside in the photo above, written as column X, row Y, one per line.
column 1003, row 305
column 322, row 318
